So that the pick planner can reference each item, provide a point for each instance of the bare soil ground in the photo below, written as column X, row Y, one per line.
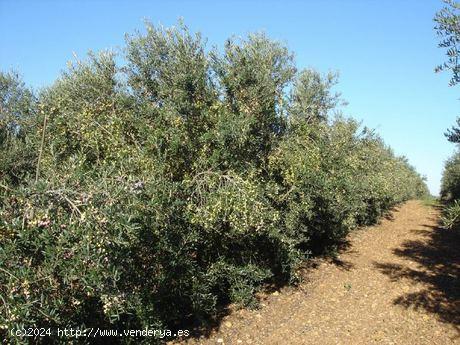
column 396, row 283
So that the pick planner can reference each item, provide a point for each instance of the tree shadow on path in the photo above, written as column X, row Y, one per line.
column 437, row 254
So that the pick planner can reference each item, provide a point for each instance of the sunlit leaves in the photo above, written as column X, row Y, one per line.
column 179, row 182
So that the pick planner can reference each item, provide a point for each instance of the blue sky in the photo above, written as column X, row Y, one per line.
column 384, row 50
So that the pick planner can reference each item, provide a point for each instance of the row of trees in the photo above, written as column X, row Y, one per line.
column 150, row 194
column 448, row 29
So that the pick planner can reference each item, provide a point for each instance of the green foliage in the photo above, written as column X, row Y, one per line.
column 177, row 183
column 448, row 29
column 450, row 183
column 252, row 75
column 17, row 104
column 311, row 97
column 451, row 215
column 450, row 192
column 431, row 201
column 453, row 133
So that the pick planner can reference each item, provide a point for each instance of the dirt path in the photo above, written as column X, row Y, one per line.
column 397, row 283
